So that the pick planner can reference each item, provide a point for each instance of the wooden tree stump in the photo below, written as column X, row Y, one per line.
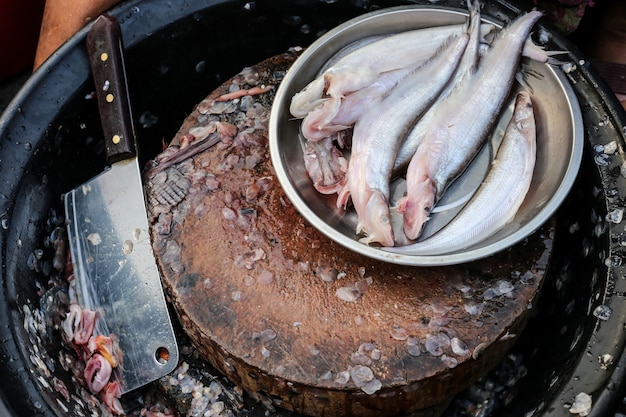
column 295, row 318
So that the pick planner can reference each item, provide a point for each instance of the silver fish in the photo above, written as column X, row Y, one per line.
column 466, row 68
column 500, row 195
column 315, row 125
column 323, row 96
column 462, row 124
column 378, row 134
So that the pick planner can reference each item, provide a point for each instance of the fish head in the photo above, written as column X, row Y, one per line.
column 417, row 207
column 308, row 99
column 377, row 221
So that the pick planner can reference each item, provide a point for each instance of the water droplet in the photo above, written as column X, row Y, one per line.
column 327, row 273
column 366, row 347
column 611, row 147
column 474, row 309
column 268, row 335
column 412, row 341
column 449, row 361
column 201, row 67
column 359, row 358
column 613, row 261
column 605, row 360
column 615, row 216
column 602, row 159
column 292, row 20
column 372, row 386
column 127, row 247
column 94, row 239
column 581, row 405
column 568, row 67
column 490, row 294
column 265, row 352
column 327, row 376
column 399, row 333
column 361, row 375
column 31, row 262
column 505, row 287
column 413, row 350
column 459, row 347
column 348, row 294
column 436, row 344
column 342, row 378
column 266, row 276
column 147, row 120
column 602, row 312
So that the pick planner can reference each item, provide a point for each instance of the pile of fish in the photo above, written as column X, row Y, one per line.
column 421, row 104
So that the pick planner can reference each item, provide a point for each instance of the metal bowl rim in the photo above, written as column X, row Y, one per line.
column 422, row 260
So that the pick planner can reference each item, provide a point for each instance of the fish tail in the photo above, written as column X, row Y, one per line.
column 473, row 7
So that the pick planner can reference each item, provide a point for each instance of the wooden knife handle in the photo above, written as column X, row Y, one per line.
column 105, row 49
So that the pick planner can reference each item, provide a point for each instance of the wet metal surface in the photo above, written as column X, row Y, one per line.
column 572, row 344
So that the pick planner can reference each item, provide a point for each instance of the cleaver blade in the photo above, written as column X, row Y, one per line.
column 114, row 265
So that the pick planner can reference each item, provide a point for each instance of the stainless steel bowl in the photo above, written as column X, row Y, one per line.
column 559, row 142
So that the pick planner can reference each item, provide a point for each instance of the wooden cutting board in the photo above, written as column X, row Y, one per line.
column 296, row 319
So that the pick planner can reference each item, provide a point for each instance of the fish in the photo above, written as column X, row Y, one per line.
column 466, row 68
column 322, row 97
column 314, row 126
column 378, row 134
column 462, row 124
column 500, row 195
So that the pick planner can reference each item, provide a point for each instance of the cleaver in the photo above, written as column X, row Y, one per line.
column 114, row 265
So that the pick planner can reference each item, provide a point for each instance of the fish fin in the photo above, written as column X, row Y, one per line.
column 538, row 53
column 343, row 195
column 329, row 189
column 401, row 205
column 366, row 240
column 359, row 228
column 523, row 75
column 554, row 61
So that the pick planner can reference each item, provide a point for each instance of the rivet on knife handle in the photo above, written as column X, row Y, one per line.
column 107, row 64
